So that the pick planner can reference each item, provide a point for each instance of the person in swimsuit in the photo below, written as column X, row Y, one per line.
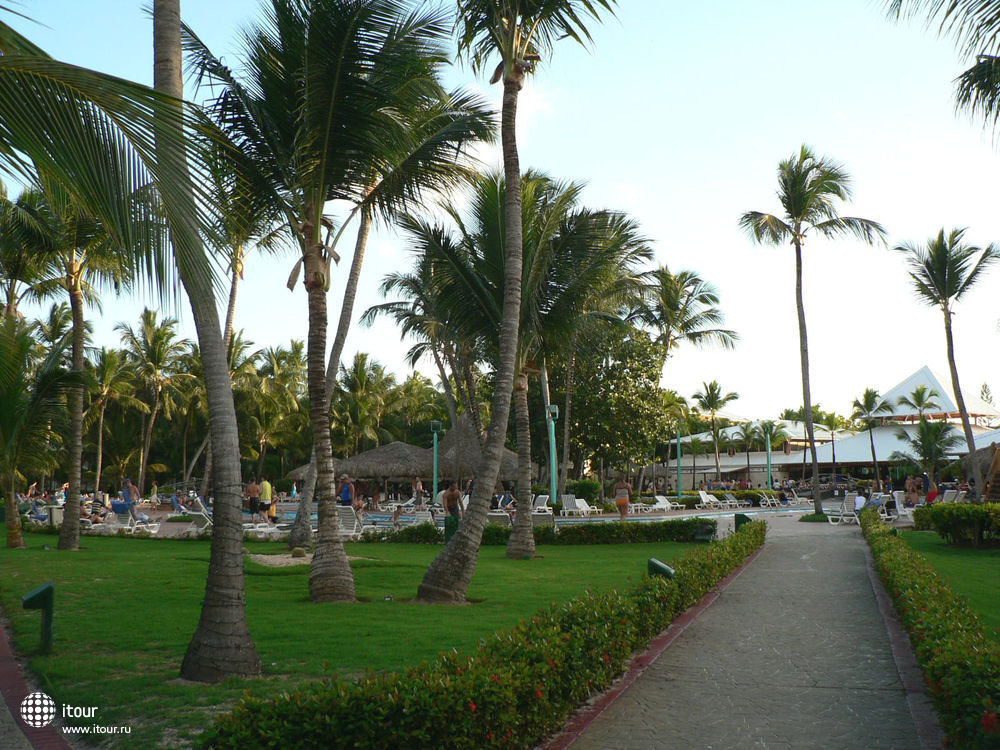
column 623, row 495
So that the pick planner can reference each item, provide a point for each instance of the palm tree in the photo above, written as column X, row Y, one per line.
column 695, row 447
column 155, row 353
column 832, row 423
column 110, row 382
column 520, row 32
column 749, row 434
column 682, row 307
column 332, row 89
column 25, row 272
column 921, row 399
column 867, row 408
column 32, row 410
column 773, row 434
column 928, row 449
column 808, row 190
column 942, row 273
column 710, row 399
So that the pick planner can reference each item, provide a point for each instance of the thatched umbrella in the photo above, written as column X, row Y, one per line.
column 299, row 474
column 391, row 460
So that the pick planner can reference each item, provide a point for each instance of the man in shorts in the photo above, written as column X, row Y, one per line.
column 253, row 495
column 266, row 499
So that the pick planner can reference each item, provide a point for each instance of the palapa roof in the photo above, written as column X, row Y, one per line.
column 394, row 459
column 462, row 443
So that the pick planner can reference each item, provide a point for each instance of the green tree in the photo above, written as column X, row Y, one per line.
column 943, row 271
column 921, row 399
column 682, row 307
column 867, row 409
column 110, row 381
column 808, row 191
column 32, row 410
column 711, row 399
column 773, row 435
column 928, row 449
column 749, row 435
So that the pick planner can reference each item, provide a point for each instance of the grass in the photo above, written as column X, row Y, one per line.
column 125, row 610
column 813, row 518
column 972, row 573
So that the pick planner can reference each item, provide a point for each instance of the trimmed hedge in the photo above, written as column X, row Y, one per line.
column 961, row 665
column 962, row 524
column 516, row 688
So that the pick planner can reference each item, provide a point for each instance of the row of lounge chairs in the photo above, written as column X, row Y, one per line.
column 711, row 502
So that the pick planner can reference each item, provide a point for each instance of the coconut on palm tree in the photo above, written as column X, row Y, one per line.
column 867, row 410
column 943, row 271
column 711, row 399
column 809, row 189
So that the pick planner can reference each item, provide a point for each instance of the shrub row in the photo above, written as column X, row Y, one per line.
column 961, row 665
column 675, row 530
column 962, row 524
column 517, row 686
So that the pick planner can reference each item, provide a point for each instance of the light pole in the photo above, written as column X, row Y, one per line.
column 678, row 460
column 435, row 429
column 551, row 415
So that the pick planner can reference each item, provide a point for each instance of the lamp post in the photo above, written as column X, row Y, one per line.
column 678, row 461
column 551, row 415
column 435, row 429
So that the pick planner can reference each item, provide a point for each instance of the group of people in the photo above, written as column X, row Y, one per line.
column 260, row 496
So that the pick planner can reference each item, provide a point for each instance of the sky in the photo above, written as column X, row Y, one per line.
column 679, row 114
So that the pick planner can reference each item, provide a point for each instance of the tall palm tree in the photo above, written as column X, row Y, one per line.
column 32, row 410
column 929, row 448
column 921, row 399
column 520, row 32
column 749, row 434
column 682, row 307
column 695, row 447
column 808, row 189
column 155, row 353
column 867, row 409
column 331, row 88
column 943, row 271
column 711, row 399
column 26, row 273
column 773, row 435
column 832, row 423
column 110, row 382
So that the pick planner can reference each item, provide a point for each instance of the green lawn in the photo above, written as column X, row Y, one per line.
column 126, row 608
column 972, row 573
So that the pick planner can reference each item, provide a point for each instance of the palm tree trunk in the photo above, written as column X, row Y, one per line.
column 871, row 439
column 806, row 397
column 472, row 392
column 521, row 545
column 100, row 447
column 448, row 577
column 449, row 394
column 221, row 645
column 567, row 413
column 147, row 440
column 715, row 440
column 330, row 577
column 227, row 332
column 69, row 534
column 971, row 462
column 260, row 458
column 15, row 537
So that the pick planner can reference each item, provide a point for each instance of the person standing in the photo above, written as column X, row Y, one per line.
column 266, row 499
column 346, row 491
column 623, row 495
column 131, row 493
column 253, row 494
column 452, row 501
column 418, row 491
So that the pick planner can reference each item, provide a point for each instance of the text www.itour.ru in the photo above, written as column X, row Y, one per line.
column 97, row 729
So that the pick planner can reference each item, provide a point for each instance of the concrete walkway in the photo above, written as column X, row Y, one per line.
column 793, row 654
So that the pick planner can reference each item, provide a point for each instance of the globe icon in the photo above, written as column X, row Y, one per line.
column 38, row 710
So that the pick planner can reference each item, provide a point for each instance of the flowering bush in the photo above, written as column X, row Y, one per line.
column 961, row 665
column 517, row 687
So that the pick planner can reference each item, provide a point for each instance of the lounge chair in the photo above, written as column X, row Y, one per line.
column 846, row 513
column 663, row 503
column 541, row 504
column 731, row 499
column 960, row 497
column 708, row 501
column 573, row 506
column 350, row 524
column 501, row 517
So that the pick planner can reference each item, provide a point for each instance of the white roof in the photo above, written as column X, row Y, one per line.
column 796, row 433
column 945, row 398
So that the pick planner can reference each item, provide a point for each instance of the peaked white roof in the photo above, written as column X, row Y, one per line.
column 945, row 398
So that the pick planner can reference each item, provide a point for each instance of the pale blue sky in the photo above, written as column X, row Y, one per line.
column 679, row 116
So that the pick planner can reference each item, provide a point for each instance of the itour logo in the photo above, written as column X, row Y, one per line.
column 38, row 710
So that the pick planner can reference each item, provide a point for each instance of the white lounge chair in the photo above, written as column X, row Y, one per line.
column 960, row 497
column 949, row 496
column 501, row 517
column 708, row 501
column 731, row 499
column 846, row 513
column 571, row 506
column 350, row 524
column 541, row 504
column 663, row 503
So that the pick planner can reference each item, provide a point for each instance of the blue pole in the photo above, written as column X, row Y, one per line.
column 435, row 483
column 678, row 461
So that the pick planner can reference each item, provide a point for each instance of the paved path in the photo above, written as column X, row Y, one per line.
column 793, row 654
